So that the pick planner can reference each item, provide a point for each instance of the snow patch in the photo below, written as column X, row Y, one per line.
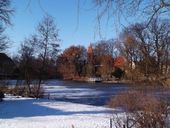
column 19, row 112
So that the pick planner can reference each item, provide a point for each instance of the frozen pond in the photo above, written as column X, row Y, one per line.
column 80, row 92
column 91, row 93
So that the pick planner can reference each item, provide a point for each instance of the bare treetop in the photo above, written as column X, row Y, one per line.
column 146, row 9
column 5, row 11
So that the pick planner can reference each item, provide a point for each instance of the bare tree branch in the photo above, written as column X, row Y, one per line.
column 164, row 4
column 132, row 8
column 5, row 11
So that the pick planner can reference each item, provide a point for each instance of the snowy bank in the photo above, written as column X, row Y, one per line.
column 18, row 112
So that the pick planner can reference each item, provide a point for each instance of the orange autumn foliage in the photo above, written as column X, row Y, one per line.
column 119, row 61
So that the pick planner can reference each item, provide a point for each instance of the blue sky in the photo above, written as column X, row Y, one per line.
column 71, row 30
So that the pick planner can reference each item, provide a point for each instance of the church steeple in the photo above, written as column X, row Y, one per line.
column 90, row 49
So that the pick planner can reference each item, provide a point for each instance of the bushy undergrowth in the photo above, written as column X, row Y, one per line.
column 21, row 91
column 25, row 92
column 1, row 95
column 142, row 110
column 3, row 89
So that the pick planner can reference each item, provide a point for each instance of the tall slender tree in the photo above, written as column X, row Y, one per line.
column 27, row 61
column 48, row 45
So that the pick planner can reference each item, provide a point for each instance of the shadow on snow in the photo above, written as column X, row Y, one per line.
column 32, row 108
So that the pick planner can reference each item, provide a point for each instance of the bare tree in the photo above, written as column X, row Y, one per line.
column 128, row 47
column 3, row 39
column 102, row 60
column 48, row 45
column 104, row 47
column 126, row 8
column 146, row 47
column 159, row 31
column 27, row 64
column 5, row 13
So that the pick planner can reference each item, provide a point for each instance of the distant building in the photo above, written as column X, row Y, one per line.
column 7, row 66
column 90, row 49
column 90, row 61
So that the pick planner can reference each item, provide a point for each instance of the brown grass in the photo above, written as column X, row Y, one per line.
column 147, row 111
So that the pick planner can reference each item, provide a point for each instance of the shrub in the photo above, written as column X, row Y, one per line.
column 142, row 110
column 35, row 93
column 118, row 73
column 23, row 91
column 128, row 100
column 1, row 95
column 18, row 91
column 3, row 89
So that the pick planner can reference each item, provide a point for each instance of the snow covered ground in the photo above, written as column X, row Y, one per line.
column 18, row 112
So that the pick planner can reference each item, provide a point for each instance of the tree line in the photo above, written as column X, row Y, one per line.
column 145, row 51
column 147, row 48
